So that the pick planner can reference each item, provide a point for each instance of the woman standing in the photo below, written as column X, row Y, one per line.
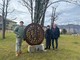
column 48, row 37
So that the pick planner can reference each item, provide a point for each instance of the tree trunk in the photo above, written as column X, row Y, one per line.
column 3, row 20
column 43, row 18
column 3, row 29
column 4, row 16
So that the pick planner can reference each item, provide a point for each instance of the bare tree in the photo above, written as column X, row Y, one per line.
column 54, row 15
column 4, row 12
column 37, row 8
column 37, row 11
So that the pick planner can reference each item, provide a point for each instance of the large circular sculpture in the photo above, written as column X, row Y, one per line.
column 34, row 34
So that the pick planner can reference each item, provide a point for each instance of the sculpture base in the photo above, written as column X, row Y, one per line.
column 36, row 48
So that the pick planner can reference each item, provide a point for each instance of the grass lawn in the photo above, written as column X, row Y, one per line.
column 69, row 49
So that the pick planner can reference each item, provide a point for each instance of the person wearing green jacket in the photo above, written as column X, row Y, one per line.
column 19, row 31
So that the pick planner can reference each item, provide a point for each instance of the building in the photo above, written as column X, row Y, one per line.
column 9, row 24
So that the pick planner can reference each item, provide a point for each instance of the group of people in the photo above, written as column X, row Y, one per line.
column 50, row 35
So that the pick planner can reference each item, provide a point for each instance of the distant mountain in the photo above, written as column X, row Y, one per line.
column 71, row 28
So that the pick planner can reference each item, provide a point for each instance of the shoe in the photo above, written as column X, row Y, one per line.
column 56, row 48
column 17, row 54
column 46, row 48
column 49, row 48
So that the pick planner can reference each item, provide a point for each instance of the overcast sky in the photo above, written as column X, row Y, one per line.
column 69, row 13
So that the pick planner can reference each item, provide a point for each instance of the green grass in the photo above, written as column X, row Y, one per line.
column 69, row 49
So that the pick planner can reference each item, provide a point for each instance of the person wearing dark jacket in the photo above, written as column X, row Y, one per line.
column 48, row 37
column 55, row 35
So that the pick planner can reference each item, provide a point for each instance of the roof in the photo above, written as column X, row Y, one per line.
column 8, row 19
column 11, row 21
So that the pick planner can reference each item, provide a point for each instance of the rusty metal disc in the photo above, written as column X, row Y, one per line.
column 34, row 34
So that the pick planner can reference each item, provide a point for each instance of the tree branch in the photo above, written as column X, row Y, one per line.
column 26, row 3
column 29, row 9
column 74, row 2
column 6, row 8
column 1, row 4
column 11, row 11
column 53, row 3
column 0, row 8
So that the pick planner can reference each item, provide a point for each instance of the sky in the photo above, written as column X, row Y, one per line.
column 69, row 13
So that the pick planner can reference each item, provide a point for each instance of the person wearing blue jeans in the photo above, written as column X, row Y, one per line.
column 19, row 31
column 55, row 35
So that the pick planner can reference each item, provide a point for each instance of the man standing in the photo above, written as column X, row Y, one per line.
column 55, row 35
column 19, row 31
column 48, row 37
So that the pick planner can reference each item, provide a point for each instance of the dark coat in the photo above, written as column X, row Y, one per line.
column 55, row 33
column 48, row 34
